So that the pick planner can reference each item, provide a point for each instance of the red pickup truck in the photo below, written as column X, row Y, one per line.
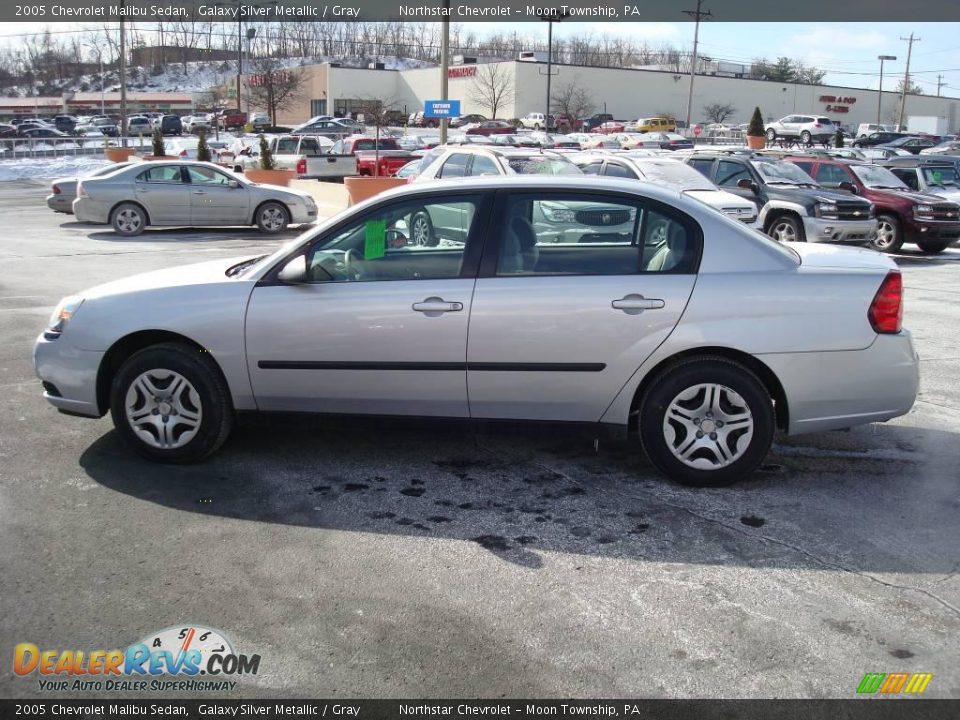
column 369, row 151
column 232, row 120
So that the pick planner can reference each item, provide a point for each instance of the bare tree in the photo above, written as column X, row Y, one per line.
column 572, row 100
column 492, row 87
column 275, row 88
column 718, row 112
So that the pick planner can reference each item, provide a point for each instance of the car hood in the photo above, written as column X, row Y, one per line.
column 205, row 273
column 825, row 255
column 948, row 193
column 720, row 199
column 916, row 197
column 806, row 194
column 280, row 192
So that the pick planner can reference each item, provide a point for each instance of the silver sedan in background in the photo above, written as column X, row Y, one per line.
column 695, row 336
column 63, row 191
column 187, row 193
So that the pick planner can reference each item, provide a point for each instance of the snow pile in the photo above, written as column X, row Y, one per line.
column 67, row 166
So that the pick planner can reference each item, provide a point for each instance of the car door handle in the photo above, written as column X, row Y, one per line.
column 199, row 192
column 142, row 190
column 637, row 303
column 437, row 305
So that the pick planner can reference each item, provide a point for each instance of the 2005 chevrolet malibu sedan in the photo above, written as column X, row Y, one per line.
column 585, row 300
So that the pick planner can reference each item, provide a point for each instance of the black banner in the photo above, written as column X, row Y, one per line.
column 460, row 11
column 855, row 709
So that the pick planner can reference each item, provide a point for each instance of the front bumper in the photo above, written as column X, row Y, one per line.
column 842, row 231
column 933, row 230
column 837, row 390
column 60, row 203
column 69, row 375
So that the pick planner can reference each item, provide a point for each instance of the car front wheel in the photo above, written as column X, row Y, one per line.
column 805, row 137
column 170, row 403
column 707, row 422
column 786, row 229
column 889, row 237
column 771, row 135
column 272, row 217
column 932, row 247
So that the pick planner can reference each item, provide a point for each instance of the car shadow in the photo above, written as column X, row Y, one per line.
column 862, row 501
column 186, row 234
column 914, row 257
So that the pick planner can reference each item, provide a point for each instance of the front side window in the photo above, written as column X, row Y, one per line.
column 408, row 240
column 730, row 173
column 482, row 165
column 200, row 175
column 909, row 177
column 702, row 165
column 162, row 174
column 831, row 175
column 454, row 166
column 586, row 234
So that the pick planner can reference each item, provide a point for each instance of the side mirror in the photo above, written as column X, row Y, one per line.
column 747, row 184
column 233, row 184
column 849, row 187
column 294, row 272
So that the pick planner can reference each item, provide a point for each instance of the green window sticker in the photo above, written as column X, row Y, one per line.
column 937, row 177
column 374, row 239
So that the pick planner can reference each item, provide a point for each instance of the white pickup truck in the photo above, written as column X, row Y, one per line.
column 307, row 155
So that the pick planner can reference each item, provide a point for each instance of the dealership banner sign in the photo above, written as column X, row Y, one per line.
column 468, row 11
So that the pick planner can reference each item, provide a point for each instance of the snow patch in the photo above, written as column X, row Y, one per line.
column 53, row 167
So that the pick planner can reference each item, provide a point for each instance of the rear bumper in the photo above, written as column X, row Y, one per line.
column 836, row 390
column 60, row 203
column 69, row 374
column 89, row 211
column 842, row 231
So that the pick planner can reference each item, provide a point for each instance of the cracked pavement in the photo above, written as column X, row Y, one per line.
column 378, row 559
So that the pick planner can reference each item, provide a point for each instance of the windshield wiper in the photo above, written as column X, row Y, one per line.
column 240, row 267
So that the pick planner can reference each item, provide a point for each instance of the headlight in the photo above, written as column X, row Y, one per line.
column 923, row 211
column 62, row 315
column 558, row 214
column 826, row 209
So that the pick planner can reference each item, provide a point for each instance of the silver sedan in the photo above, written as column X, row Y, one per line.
column 695, row 336
column 187, row 193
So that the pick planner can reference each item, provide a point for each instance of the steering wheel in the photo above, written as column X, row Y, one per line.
column 351, row 264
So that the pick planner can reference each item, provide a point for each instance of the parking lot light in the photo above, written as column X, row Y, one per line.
column 881, row 58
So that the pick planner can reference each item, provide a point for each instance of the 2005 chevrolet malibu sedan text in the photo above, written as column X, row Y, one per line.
column 546, row 299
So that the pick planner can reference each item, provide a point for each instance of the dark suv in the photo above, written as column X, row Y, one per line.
column 793, row 208
column 171, row 125
column 930, row 222
column 594, row 121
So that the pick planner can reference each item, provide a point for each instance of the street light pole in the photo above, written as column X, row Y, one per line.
column 444, row 69
column 881, row 58
column 239, row 58
column 696, row 15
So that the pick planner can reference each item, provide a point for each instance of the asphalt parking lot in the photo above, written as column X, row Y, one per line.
column 393, row 560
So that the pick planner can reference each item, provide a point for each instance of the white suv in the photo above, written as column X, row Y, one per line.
column 806, row 128
column 538, row 121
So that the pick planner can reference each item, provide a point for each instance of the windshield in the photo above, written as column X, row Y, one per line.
column 675, row 174
column 877, row 177
column 542, row 165
column 940, row 175
column 783, row 172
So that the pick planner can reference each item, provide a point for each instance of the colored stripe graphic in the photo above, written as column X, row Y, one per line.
column 894, row 683
column 918, row 683
column 871, row 682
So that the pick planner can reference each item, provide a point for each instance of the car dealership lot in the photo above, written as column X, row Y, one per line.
column 395, row 559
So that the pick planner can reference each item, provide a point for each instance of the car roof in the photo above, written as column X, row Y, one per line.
column 918, row 161
column 545, row 182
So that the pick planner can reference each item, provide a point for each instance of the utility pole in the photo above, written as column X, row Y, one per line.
column 445, row 68
column 906, row 79
column 940, row 84
column 881, row 58
column 239, row 58
column 696, row 15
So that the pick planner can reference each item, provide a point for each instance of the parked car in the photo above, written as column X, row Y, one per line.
column 594, row 121
column 611, row 127
column 171, row 125
column 307, row 155
column 667, row 141
column 912, row 145
column 903, row 216
column 667, row 172
column 864, row 129
column 48, row 135
column 329, row 128
column 947, row 147
column 936, row 176
column 881, row 137
column 656, row 124
column 516, row 140
column 194, row 123
column 471, row 161
column 139, row 126
column 64, row 123
column 470, row 140
column 490, row 127
column 805, row 128
column 466, row 120
column 63, row 191
column 538, row 121
column 593, row 141
column 792, row 206
column 232, row 120
column 187, row 193
column 702, row 392
column 260, row 120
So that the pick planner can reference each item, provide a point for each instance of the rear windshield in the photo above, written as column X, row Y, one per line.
column 542, row 165
column 385, row 144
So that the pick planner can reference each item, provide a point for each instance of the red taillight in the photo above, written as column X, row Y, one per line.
column 56, row 189
column 886, row 310
column 302, row 166
column 817, row 125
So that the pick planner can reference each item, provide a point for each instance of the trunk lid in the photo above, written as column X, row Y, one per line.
column 823, row 255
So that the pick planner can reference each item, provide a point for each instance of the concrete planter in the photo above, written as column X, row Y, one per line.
column 361, row 187
column 756, row 142
column 269, row 177
column 120, row 154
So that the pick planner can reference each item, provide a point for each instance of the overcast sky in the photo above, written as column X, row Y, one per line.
column 848, row 51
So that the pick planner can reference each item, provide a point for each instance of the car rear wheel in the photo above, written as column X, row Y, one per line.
column 169, row 403
column 421, row 229
column 786, row 229
column 272, row 217
column 932, row 247
column 707, row 422
column 889, row 238
column 128, row 219
column 806, row 137
column 771, row 135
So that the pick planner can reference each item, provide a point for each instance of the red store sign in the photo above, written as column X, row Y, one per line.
column 462, row 71
column 837, row 103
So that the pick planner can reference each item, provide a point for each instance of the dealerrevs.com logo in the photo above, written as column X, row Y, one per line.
column 183, row 653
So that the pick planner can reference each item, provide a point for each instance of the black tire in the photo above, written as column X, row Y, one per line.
column 889, row 236
column 272, row 217
column 771, row 135
column 932, row 247
column 806, row 137
column 421, row 229
column 215, row 406
column 128, row 219
column 671, row 383
column 786, row 228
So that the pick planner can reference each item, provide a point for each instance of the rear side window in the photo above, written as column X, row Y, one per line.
column 164, row 174
column 703, row 165
column 309, row 147
column 589, row 234
column 804, row 165
column 287, row 146
column 615, row 169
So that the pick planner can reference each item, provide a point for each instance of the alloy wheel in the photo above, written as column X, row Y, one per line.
column 783, row 231
column 708, row 426
column 129, row 220
column 272, row 218
column 886, row 234
column 163, row 409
